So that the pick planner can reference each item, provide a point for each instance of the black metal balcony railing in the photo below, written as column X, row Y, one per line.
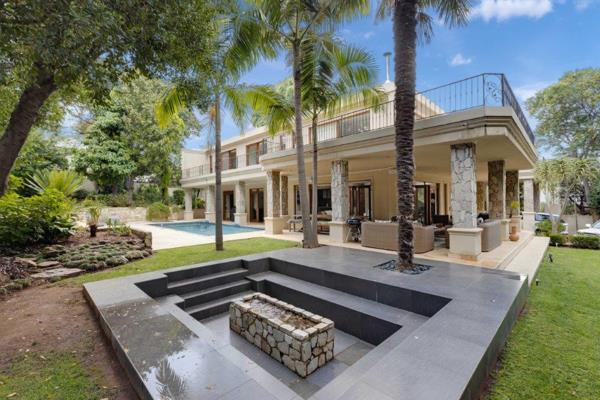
column 485, row 90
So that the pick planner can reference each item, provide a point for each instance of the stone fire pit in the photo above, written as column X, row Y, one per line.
column 299, row 339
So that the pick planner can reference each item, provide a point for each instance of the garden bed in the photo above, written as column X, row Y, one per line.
column 20, row 268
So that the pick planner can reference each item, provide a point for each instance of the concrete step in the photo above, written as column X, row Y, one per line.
column 214, row 307
column 203, row 270
column 216, row 292
column 206, row 281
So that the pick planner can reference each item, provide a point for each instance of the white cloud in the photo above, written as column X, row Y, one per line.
column 529, row 90
column 502, row 10
column 459, row 59
column 368, row 35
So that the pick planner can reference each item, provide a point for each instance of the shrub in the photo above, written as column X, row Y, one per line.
column 148, row 194
column 585, row 241
column 178, row 197
column 545, row 227
column 198, row 202
column 47, row 217
column 114, row 200
column 158, row 212
column 557, row 239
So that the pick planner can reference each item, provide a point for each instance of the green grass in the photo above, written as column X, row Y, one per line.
column 554, row 350
column 57, row 376
column 170, row 258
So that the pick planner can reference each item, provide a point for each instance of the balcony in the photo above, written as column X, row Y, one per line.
column 481, row 91
column 228, row 163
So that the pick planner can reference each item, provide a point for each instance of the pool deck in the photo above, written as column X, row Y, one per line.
column 447, row 356
column 163, row 238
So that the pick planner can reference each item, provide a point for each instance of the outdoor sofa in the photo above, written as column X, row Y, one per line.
column 383, row 235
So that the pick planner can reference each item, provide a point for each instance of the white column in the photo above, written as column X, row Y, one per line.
column 240, row 215
column 209, row 201
column 528, row 205
column 273, row 220
column 189, row 210
column 340, row 201
column 465, row 236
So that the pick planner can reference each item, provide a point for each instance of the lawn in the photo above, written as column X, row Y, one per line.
column 180, row 256
column 554, row 350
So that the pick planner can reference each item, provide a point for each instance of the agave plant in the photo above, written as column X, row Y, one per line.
column 67, row 182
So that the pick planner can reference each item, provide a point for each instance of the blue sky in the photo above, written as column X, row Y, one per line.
column 534, row 42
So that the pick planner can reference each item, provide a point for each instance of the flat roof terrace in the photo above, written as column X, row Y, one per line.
column 435, row 335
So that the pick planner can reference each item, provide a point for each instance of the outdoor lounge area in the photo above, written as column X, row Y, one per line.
column 395, row 333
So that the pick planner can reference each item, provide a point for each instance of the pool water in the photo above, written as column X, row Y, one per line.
column 206, row 228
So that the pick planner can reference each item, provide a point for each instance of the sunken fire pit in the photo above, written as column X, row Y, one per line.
column 299, row 339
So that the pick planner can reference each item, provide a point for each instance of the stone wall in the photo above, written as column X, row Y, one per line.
column 512, row 190
column 300, row 350
column 122, row 214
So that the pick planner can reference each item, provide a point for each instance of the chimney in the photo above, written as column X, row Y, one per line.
column 387, row 55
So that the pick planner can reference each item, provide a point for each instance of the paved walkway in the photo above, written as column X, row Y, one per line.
column 164, row 238
column 529, row 258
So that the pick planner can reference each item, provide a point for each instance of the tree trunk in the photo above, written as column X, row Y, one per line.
column 21, row 120
column 309, row 238
column 405, row 39
column 218, row 188
column 315, row 188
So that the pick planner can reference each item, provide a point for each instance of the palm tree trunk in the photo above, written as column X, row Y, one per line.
column 405, row 42
column 218, row 188
column 309, row 239
column 314, row 177
column 24, row 115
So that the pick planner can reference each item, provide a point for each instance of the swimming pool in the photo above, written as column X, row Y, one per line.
column 205, row 228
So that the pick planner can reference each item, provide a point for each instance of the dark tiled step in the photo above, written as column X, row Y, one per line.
column 214, row 307
column 215, row 292
column 198, row 270
column 206, row 281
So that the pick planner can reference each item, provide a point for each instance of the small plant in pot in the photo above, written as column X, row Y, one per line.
column 93, row 218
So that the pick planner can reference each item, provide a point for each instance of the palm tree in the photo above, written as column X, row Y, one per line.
column 268, row 27
column 410, row 23
column 335, row 76
column 221, row 77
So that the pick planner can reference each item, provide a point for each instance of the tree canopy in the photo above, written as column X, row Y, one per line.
column 126, row 131
column 568, row 114
column 50, row 46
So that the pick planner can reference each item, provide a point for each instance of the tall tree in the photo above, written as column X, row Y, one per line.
column 568, row 115
column 411, row 23
column 268, row 27
column 335, row 77
column 220, row 75
column 53, row 45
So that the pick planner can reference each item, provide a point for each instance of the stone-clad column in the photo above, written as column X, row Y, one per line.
column 528, row 205
column 512, row 189
column 481, row 196
column 284, row 196
column 536, row 197
column 189, row 211
column 240, row 216
column 496, row 190
column 273, row 221
column 464, row 187
column 512, row 195
column 465, row 236
column 340, row 201
column 210, row 204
